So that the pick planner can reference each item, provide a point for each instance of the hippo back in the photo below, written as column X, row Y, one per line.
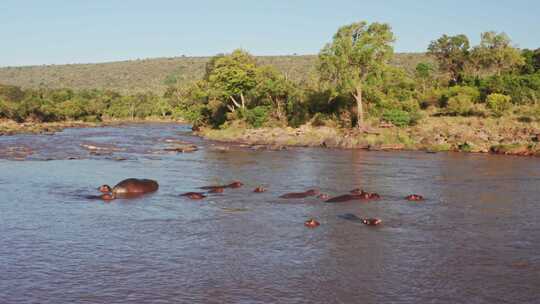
column 135, row 186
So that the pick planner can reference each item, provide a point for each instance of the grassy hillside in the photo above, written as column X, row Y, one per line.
column 153, row 74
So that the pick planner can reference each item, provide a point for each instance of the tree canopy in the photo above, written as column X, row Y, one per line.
column 452, row 54
column 356, row 52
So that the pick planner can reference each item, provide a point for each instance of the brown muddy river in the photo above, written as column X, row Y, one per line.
column 476, row 238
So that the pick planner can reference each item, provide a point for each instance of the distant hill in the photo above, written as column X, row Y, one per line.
column 155, row 74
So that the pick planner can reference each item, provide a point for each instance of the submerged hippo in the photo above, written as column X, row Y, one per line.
column 354, row 195
column 128, row 188
column 216, row 190
column 311, row 223
column 311, row 192
column 414, row 198
column 259, row 189
column 194, row 195
column 371, row 221
column 233, row 185
column 365, row 221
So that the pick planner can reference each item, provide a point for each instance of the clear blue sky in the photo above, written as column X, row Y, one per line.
column 77, row 31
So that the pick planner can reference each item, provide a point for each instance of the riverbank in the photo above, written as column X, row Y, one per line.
column 10, row 127
column 431, row 134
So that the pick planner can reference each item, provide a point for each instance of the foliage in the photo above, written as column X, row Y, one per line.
column 357, row 52
column 231, row 77
column 523, row 89
column 470, row 93
column 397, row 117
column 531, row 61
column 257, row 116
column 460, row 105
column 495, row 53
column 451, row 53
column 498, row 103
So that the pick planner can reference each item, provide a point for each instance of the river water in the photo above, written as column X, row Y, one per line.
column 476, row 238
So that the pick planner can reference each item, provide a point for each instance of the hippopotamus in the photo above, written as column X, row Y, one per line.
column 414, row 198
column 129, row 188
column 216, row 190
column 233, row 185
column 371, row 221
column 311, row 223
column 311, row 192
column 259, row 189
column 342, row 198
column 365, row 221
column 194, row 195
column 355, row 195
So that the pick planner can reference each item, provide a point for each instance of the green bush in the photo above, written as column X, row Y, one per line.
column 194, row 114
column 5, row 109
column 472, row 94
column 257, row 116
column 523, row 89
column 498, row 103
column 460, row 105
column 397, row 117
column 431, row 98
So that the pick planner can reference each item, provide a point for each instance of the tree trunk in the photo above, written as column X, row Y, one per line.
column 235, row 103
column 279, row 110
column 243, row 101
column 359, row 107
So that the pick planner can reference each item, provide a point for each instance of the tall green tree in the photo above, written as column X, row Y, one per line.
column 424, row 74
column 357, row 51
column 231, row 77
column 274, row 88
column 496, row 53
column 452, row 55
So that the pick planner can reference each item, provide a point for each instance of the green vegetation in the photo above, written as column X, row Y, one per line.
column 359, row 52
column 355, row 81
column 46, row 105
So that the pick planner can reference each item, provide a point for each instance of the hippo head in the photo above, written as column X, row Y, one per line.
column 105, row 189
column 236, row 184
column 259, row 189
column 312, row 192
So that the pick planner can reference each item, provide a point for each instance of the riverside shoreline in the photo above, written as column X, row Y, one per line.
column 454, row 134
column 9, row 127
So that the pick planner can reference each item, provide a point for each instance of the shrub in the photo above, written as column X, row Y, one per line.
column 257, row 116
column 523, row 89
column 194, row 114
column 460, row 105
column 397, row 117
column 5, row 111
column 498, row 103
column 431, row 98
column 472, row 94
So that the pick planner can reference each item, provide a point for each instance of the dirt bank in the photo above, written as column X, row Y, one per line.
column 464, row 134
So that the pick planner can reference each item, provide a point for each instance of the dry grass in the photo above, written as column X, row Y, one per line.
column 154, row 74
